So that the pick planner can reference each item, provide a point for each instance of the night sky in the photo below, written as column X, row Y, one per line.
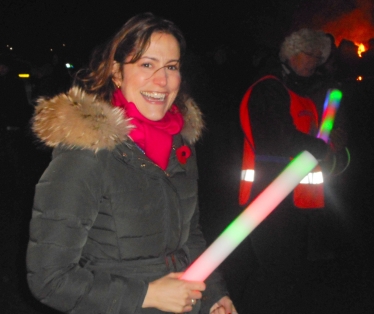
column 33, row 27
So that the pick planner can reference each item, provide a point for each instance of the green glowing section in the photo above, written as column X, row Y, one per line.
column 237, row 231
column 328, row 125
column 336, row 95
column 332, row 102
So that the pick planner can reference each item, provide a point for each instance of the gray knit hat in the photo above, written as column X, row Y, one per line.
column 308, row 41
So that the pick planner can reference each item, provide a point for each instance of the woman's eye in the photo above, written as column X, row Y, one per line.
column 173, row 67
column 146, row 65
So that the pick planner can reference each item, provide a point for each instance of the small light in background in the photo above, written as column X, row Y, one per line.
column 359, row 78
column 69, row 66
column 24, row 75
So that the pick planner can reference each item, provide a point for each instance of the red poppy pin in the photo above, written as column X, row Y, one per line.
column 183, row 153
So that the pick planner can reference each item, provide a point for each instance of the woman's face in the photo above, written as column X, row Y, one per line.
column 152, row 82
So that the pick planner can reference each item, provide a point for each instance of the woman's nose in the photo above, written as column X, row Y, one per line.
column 160, row 77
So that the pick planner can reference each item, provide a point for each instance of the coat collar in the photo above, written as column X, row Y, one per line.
column 80, row 120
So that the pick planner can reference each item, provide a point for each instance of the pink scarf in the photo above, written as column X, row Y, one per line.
column 153, row 137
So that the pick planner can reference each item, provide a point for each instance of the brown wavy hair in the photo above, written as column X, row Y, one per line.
column 133, row 38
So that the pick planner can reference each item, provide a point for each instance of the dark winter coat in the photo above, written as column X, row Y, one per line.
column 107, row 220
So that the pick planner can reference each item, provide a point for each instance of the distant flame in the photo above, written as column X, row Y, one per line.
column 361, row 48
column 356, row 26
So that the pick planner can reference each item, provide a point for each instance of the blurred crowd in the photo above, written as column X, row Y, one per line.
column 21, row 83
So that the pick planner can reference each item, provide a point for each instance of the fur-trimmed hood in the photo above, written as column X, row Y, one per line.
column 80, row 120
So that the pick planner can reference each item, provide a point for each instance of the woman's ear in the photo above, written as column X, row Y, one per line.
column 116, row 74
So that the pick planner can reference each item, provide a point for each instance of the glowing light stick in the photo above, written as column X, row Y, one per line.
column 265, row 203
column 331, row 105
column 250, row 218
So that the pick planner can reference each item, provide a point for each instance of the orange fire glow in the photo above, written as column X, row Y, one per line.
column 361, row 48
column 355, row 26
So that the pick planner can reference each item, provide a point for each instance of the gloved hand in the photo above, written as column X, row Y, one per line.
column 338, row 139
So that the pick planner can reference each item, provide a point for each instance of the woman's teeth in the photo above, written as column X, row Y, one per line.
column 154, row 95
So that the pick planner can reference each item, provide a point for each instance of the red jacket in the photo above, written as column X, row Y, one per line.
column 309, row 193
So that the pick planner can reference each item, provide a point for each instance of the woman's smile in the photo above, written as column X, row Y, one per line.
column 154, row 96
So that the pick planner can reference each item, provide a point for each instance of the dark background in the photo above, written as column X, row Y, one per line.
column 226, row 40
column 34, row 27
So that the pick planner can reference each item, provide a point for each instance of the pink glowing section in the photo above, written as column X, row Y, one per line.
column 331, row 105
column 250, row 218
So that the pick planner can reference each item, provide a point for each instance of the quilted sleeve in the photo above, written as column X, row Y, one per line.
column 65, row 206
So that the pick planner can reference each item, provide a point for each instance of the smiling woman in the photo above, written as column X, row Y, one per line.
column 115, row 218
column 152, row 82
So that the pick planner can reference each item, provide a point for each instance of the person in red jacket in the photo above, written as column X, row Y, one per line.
column 279, row 121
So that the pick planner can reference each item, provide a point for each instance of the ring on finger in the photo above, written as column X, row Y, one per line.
column 193, row 301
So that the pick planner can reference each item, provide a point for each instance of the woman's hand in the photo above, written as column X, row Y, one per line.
column 223, row 306
column 171, row 294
